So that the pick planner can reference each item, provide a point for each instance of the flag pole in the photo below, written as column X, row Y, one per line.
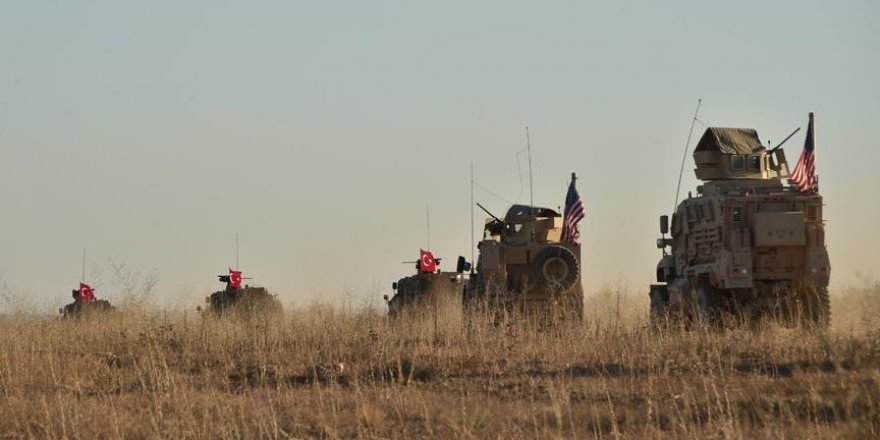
column 564, row 223
column 237, row 267
column 84, row 265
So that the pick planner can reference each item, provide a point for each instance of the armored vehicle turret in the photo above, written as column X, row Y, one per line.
column 747, row 244
column 525, row 268
column 242, row 300
column 431, row 292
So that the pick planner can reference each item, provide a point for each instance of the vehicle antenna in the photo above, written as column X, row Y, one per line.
column 531, row 185
column 684, row 155
column 84, row 265
column 428, row 223
column 237, row 267
column 472, row 217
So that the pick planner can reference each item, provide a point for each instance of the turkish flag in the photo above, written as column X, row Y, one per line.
column 234, row 278
column 86, row 293
column 427, row 264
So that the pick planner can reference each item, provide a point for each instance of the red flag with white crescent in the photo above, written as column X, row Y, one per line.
column 427, row 263
column 86, row 293
column 234, row 278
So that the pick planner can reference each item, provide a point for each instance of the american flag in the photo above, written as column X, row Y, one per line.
column 804, row 176
column 574, row 213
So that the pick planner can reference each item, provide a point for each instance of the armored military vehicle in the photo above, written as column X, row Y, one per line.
column 85, row 304
column 525, row 269
column 431, row 292
column 747, row 245
column 242, row 300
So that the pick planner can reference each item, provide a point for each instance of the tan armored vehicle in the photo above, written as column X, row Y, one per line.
column 525, row 269
column 242, row 300
column 428, row 293
column 747, row 245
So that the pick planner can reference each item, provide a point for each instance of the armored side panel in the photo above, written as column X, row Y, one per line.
column 427, row 295
column 82, row 309
column 247, row 301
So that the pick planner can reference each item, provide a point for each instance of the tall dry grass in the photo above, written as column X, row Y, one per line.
column 143, row 374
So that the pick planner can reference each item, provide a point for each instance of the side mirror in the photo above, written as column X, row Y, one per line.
column 385, row 297
column 394, row 285
column 462, row 265
column 664, row 224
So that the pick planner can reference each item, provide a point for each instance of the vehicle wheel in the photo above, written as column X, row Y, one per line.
column 659, row 296
column 474, row 293
column 709, row 304
column 556, row 267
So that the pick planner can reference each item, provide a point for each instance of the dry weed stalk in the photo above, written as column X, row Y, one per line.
column 329, row 372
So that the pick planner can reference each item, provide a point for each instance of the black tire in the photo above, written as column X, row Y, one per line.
column 709, row 304
column 555, row 267
column 474, row 294
column 659, row 296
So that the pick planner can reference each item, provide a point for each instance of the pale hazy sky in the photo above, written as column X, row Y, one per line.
column 151, row 132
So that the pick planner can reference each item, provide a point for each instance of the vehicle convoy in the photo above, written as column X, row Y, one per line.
column 526, row 268
column 747, row 245
column 85, row 304
column 431, row 292
column 242, row 300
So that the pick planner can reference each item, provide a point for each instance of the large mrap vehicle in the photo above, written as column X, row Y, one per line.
column 747, row 244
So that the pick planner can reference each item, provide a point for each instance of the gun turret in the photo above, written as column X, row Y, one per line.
column 497, row 225
column 226, row 279
column 773, row 150
column 490, row 214
column 418, row 263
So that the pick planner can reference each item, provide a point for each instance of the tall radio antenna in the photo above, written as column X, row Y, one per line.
column 428, row 224
column 237, row 267
column 531, row 185
column 472, row 217
column 684, row 155
column 84, row 265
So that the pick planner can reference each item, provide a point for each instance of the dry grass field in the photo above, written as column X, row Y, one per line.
column 142, row 374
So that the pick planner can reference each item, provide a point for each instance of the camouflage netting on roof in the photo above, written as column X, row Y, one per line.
column 524, row 210
column 729, row 140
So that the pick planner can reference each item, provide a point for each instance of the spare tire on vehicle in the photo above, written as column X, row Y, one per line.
column 555, row 267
